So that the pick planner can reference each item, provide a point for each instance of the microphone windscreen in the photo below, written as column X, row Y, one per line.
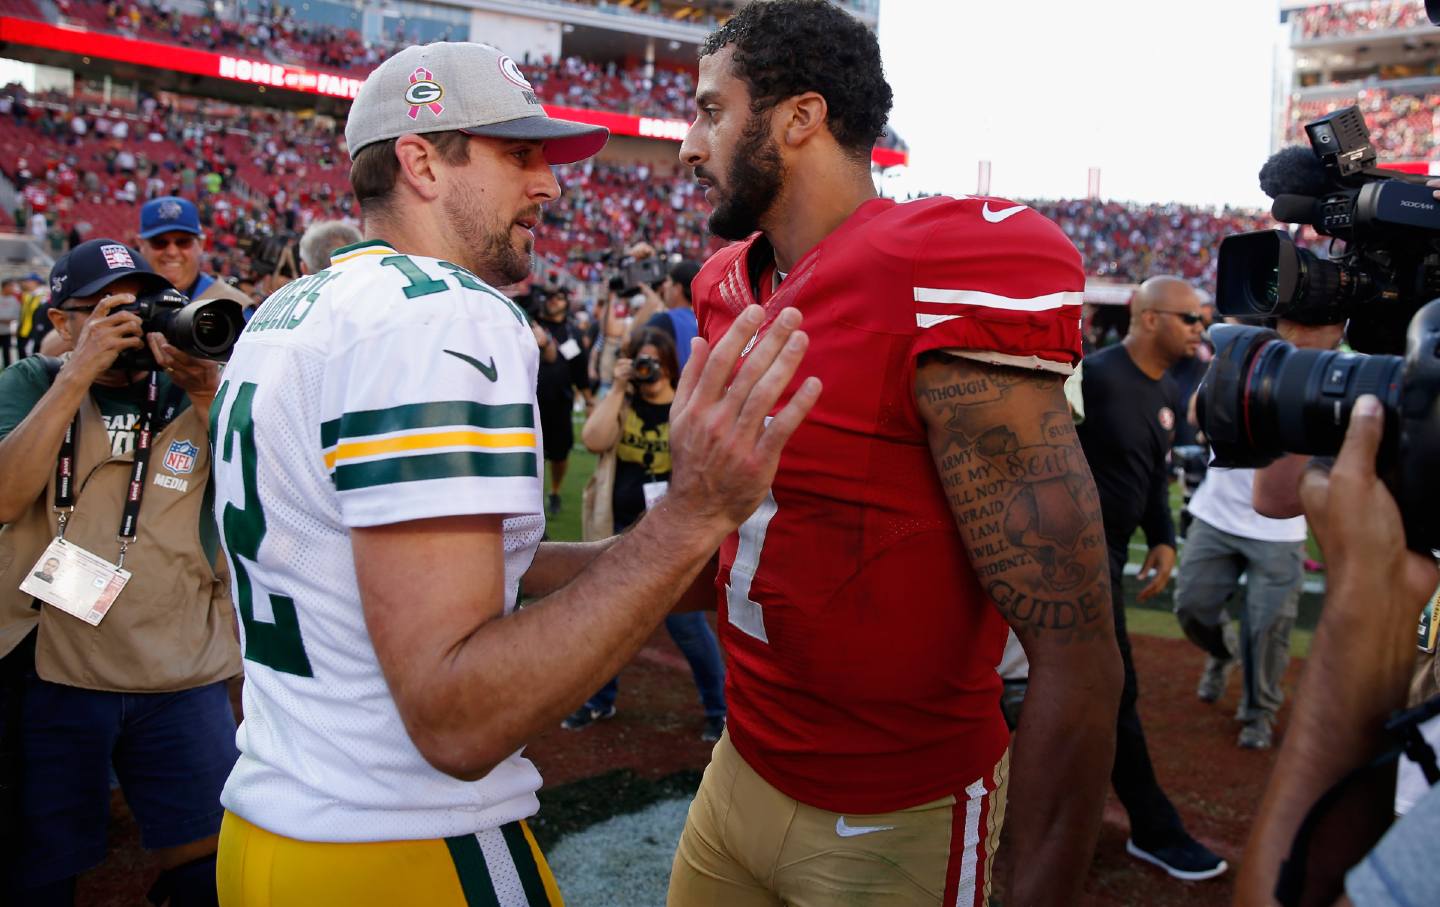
column 1294, row 171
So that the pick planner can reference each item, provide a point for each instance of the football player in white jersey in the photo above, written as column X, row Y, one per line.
column 378, row 485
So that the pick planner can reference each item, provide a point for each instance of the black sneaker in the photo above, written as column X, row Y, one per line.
column 585, row 716
column 1186, row 859
column 714, row 727
column 554, row 508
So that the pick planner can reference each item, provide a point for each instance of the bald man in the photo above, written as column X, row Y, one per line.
column 1131, row 408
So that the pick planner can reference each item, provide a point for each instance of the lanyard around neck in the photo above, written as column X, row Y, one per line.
column 65, row 470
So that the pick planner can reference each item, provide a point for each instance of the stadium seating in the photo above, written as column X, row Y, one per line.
column 1132, row 242
column 280, row 170
column 21, row 9
column 1337, row 19
column 1402, row 125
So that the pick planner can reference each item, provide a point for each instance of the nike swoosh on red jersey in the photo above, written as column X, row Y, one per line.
column 996, row 217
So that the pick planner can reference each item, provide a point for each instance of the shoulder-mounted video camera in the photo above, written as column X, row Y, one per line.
column 1263, row 397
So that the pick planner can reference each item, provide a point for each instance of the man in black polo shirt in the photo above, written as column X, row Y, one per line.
column 563, row 358
column 1131, row 409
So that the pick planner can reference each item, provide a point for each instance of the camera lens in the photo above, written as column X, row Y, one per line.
column 1263, row 397
column 208, row 328
column 1265, row 274
column 212, row 332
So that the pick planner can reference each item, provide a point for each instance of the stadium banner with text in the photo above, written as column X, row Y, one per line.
column 85, row 43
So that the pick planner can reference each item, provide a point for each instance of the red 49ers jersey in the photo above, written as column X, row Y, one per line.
column 861, row 648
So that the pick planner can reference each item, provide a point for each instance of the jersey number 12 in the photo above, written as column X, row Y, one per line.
column 276, row 644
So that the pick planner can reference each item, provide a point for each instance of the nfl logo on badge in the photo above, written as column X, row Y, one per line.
column 180, row 458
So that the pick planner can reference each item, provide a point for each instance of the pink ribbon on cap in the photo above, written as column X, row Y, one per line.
column 436, row 108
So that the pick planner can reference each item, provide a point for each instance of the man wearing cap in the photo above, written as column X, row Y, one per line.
column 378, row 468
column 114, row 437
column 172, row 240
column 32, row 299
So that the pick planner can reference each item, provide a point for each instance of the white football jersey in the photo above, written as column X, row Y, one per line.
column 386, row 388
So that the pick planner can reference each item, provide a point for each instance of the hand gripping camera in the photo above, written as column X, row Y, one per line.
column 207, row 328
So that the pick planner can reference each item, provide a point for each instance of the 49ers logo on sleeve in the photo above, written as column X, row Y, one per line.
column 1167, row 418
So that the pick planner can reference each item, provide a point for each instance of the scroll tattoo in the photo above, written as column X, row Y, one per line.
column 1011, row 464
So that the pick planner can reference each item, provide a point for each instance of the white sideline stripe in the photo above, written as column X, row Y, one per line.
column 992, row 301
column 967, row 889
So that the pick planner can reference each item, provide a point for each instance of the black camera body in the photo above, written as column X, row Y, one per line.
column 647, row 370
column 207, row 328
column 1263, row 397
column 1389, row 223
column 631, row 273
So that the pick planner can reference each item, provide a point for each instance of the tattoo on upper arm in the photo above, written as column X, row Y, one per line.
column 1016, row 478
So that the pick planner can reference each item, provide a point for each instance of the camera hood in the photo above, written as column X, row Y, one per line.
column 1219, row 405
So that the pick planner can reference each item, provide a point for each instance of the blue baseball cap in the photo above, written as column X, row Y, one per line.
column 94, row 265
column 161, row 215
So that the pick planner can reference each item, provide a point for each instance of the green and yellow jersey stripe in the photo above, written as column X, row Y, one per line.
column 423, row 441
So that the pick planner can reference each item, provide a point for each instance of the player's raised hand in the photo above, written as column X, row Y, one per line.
column 724, row 451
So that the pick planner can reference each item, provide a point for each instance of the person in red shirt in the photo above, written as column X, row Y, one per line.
column 936, row 495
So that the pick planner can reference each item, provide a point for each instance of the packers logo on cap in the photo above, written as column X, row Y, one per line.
column 424, row 91
column 511, row 71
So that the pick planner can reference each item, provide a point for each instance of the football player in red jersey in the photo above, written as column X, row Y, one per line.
column 936, row 494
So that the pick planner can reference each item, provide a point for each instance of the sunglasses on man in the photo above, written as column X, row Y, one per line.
column 160, row 243
column 1190, row 318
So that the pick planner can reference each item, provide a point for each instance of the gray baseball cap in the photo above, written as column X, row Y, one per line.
column 473, row 88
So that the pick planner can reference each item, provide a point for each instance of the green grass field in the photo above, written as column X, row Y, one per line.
column 1153, row 618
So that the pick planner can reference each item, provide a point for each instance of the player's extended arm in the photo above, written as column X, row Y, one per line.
column 1008, row 455
column 472, row 686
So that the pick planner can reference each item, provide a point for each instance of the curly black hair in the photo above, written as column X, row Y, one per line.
column 788, row 47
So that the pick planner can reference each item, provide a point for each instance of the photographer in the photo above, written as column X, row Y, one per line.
column 562, row 370
column 630, row 430
column 614, row 317
column 130, row 677
column 274, row 262
column 1357, row 674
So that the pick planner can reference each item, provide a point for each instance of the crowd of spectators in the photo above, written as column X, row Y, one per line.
column 274, row 30
column 82, row 169
column 583, row 83
column 1402, row 125
column 265, row 29
column 1130, row 242
column 1330, row 20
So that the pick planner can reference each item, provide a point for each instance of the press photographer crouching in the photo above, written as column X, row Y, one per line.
column 1323, row 834
column 120, row 657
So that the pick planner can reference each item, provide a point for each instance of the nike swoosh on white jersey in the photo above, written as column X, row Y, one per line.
column 996, row 217
column 852, row 831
